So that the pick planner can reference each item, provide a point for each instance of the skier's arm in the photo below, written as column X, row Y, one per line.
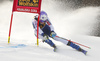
column 53, row 34
column 50, row 25
column 45, row 37
column 34, row 23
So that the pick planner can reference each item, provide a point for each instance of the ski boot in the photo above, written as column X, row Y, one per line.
column 55, row 48
column 85, row 52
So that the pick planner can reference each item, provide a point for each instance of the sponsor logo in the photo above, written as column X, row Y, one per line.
column 29, row 3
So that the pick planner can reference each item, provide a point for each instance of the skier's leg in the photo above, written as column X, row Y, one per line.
column 69, row 43
column 76, row 47
column 47, row 40
column 61, row 40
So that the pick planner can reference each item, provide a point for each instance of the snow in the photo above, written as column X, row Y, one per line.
column 70, row 27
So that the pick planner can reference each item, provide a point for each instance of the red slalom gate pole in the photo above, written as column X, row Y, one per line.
column 74, row 42
column 10, row 27
column 38, row 29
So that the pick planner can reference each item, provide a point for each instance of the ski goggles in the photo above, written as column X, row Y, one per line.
column 42, row 21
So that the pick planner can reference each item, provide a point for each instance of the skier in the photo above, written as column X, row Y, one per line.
column 46, row 30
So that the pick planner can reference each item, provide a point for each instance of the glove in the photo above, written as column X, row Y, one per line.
column 36, row 17
column 45, row 37
column 53, row 34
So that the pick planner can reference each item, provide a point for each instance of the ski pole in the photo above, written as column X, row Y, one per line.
column 74, row 42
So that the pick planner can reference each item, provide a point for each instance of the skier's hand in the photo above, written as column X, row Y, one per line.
column 45, row 37
column 53, row 34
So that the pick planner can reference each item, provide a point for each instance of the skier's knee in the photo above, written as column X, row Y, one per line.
column 49, row 42
column 69, row 43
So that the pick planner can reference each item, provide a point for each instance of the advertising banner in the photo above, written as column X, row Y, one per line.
column 31, row 6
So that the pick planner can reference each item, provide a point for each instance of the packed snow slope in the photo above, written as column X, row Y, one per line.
column 74, row 25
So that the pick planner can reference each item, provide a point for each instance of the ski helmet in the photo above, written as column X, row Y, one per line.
column 43, row 16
